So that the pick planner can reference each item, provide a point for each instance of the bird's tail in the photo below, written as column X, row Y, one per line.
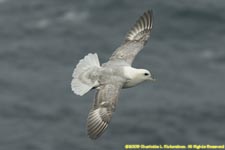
column 85, row 74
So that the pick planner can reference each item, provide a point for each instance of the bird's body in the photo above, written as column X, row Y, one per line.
column 111, row 76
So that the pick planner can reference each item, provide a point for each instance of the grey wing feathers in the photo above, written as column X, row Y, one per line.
column 98, row 121
column 140, row 31
column 135, row 39
column 101, row 111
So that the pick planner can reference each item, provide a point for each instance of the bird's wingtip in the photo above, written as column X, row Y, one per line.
column 141, row 29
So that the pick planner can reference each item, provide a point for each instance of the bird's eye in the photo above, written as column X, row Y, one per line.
column 146, row 74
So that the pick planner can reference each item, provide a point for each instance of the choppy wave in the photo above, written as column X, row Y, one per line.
column 41, row 42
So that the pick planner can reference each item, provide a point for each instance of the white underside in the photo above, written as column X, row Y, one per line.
column 131, row 83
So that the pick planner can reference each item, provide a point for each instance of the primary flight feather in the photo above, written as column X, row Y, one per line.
column 111, row 76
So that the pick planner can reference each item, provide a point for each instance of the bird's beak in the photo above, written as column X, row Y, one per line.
column 151, row 79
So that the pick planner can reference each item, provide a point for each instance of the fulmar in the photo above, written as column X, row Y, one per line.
column 112, row 76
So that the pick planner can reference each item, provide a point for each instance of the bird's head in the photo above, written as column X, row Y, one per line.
column 145, row 75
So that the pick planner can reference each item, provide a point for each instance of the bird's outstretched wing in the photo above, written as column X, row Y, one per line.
column 135, row 40
column 101, row 111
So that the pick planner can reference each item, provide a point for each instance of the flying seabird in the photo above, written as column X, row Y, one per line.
column 111, row 76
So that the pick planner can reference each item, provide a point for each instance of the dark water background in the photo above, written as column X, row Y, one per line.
column 41, row 41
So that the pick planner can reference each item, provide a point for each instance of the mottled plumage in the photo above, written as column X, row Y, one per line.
column 111, row 76
column 135, row 40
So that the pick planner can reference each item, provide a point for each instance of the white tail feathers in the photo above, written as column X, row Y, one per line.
column 85, row 75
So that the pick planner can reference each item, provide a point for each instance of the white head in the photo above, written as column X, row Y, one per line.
column 136, row 76
column 144, row 74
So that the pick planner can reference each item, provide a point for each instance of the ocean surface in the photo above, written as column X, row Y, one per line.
column 41, row 41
